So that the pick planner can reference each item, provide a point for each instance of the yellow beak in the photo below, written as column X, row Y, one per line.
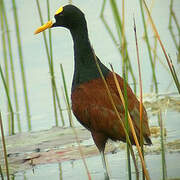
column 44, row 27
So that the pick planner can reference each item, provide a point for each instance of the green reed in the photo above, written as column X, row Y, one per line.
column 126, row 120
column 117, row 43
column 4, row 149
column 141, row 97
column 163, row 157
column 23, row 76
column 124, row 52
column 1, row 173
column 125, row 76
column 11, row 64
column 11, row 128
column 6, row 73
column 51, row 64
column 66, row 96
column 169, row 62
column 131, row 127
column 119, row 118
column 154, row 51
column 171, row 18
column 148, row 46
column 60, row 172
column 53, row 82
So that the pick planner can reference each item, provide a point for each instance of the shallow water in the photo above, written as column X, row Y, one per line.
column 117, row 164
column 38, row 78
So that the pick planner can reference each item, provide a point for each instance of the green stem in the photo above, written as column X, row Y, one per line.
column 52, row 67
column 4, row 148
column 12, row 67
column 170, row 16
column 22, row 65
column 5, row 60
column 1, row 173
column 164, row 168
column 66, row 95
column 148, row 47
column 119, row 30
column 53, row 83
column 60, row 172
column 9, row 101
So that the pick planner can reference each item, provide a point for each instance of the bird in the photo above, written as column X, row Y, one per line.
column 91, row 104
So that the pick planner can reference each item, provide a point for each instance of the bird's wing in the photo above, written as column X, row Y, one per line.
column 133, row 103
column 93, row 108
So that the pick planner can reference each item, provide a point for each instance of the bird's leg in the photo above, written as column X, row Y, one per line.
column 100, row 141
column 104, row 165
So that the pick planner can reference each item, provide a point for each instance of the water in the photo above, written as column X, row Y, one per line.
column 38, row 76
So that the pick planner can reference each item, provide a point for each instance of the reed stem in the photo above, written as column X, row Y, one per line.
column 23, row 76
column 173, row 73
column 53, row 82
column 60, row 172
column 6, row 74
column 118, row 116
column 141, row 98
column 125, row 75
column 122, row 42
column 66, row 95
column 148, row 47
column 164, row 167
column 52, row 65
column 9, row 101
column 4, row 148
column 1, row 173
column 12, row 66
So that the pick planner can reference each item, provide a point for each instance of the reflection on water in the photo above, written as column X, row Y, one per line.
column 38, row 77
column 117, row 164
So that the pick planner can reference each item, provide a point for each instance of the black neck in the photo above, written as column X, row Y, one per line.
column 85, row 67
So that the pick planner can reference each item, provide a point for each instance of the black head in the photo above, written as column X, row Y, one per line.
column 69, row 17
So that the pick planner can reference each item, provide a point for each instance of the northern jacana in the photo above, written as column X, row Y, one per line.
column 90, row 102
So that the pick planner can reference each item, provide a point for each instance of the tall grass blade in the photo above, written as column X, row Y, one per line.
column 11, row 65
column 60, row 172
column 155, row 58
column 66, row 95
column 6, row 76
column 164, row 168
column 9, row 101
column 141, row 98
column 4, row 148
column 23, row 76
column 173, row 71
column 125, row 75
column 148, row 46
column 52, row 65
column 171, row 9
column 126, row 125
column 171, row 17
column 1, row 173
column 163, row 49
column 53, row 83
column 133, row 131
column 81, row 152
column 118, row 116
column 119, row 31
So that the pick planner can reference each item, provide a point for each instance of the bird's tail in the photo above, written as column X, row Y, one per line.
column 147, row 140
